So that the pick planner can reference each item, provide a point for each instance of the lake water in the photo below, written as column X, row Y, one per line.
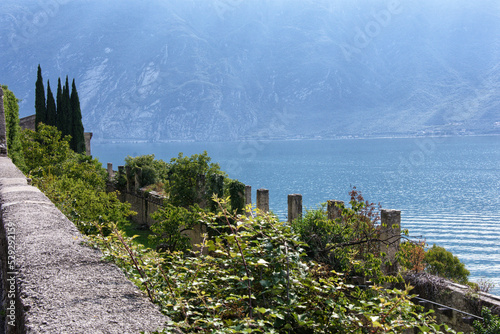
column 448, row 189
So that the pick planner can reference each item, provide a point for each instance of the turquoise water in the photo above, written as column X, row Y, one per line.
column 448, row 189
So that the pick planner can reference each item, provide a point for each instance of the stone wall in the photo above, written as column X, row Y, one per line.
column 27, row 122
column 52, row 281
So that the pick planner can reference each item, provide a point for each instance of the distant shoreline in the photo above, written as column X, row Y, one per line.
column 347, row 137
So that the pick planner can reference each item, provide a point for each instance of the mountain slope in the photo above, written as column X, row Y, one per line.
column 230, row 69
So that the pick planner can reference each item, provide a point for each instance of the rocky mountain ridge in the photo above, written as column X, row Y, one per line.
column 232, row 70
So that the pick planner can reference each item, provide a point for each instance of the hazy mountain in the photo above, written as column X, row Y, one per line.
column 233, row 69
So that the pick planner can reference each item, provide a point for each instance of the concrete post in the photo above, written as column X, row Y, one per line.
column 3, row 127
column 333, row 211
column 128, row 175
column 110, row 171
column 263, row 200
column 390, row 235
column 294, row 207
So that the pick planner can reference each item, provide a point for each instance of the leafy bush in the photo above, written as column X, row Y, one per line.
column 171, row 222
column 490, row 324
column 45, row 150
column 349, row 244
column 442, row 263
column 152, row 171
column 252, row 278
column 183, row 178
column 411, row 255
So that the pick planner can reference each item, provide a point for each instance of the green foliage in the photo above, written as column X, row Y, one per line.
column 11, row 108
column 74, row 182
column 152, row 171
column 77, row 132
column 183, row 179
column 44, row 150
column 171, row 223
column 320, row 235
column 215, row 187
column 442, row 263
column 236, row 191
column 82, row 204
column 490, row 324
column 349, row 244
column 40, row 106
column 252, row 278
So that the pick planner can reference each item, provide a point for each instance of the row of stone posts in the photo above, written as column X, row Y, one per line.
column 390, row 226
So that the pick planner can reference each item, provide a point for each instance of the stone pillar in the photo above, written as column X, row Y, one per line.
column 137, row 179
column 128, row 175
column 248, row 200
column 110, row 171
column 248, row 195
column 334, row 212
column 263, row 200
column 3, row 127
column 121, row 170
column 390, row 235
column 201, row 191
column 294, row 207
column 88, row 138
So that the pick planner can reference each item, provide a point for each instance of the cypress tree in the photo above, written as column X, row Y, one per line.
column 51, row 107
column 77, row 132
column 59, row 106
column 65, row 110
column 40, row 107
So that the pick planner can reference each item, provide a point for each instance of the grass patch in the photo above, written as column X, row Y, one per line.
column 142, row 232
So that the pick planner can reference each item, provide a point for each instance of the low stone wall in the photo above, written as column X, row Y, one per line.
column 454, row 304
column 52, row 281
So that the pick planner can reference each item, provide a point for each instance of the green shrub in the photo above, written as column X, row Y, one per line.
column 442, row 263
column 252, row 278
column 349, row 244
